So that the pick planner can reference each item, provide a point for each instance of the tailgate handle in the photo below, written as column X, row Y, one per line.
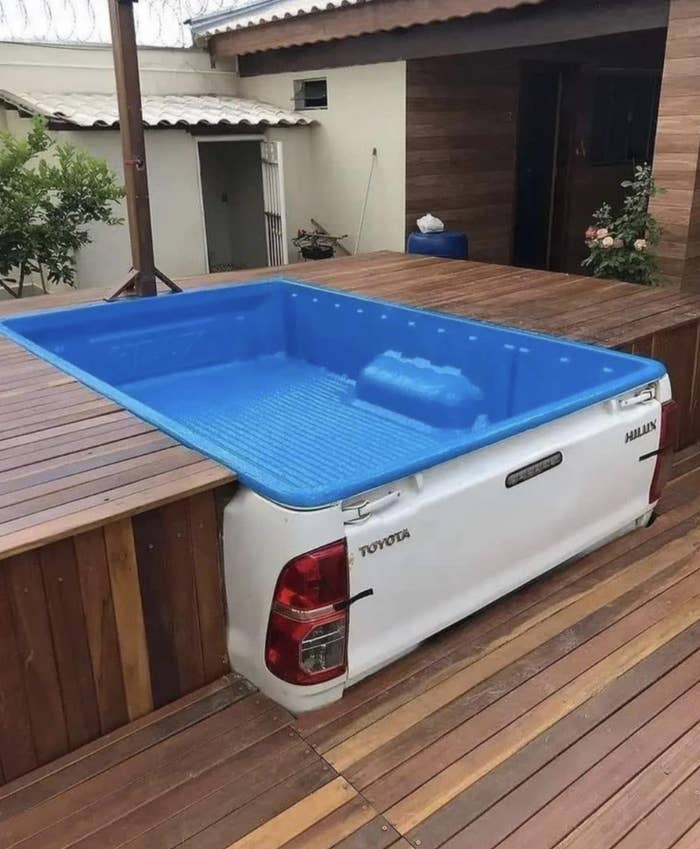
column 344, row 605
column 361, row 512
column 640, row 398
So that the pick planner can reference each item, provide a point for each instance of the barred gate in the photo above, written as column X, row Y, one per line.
column 274, row 205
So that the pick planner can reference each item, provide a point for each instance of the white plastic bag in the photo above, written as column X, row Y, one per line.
column 430, row 224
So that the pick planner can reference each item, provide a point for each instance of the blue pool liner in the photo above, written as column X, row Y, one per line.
column 312, row 395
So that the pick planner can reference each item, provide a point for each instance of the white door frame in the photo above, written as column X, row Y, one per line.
column 275, row 202
column 256, row 137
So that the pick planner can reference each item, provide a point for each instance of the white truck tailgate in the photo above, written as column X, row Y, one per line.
column 439, row 545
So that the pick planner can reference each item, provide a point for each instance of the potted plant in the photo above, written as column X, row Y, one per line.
column 317, row 244
column 621, row 245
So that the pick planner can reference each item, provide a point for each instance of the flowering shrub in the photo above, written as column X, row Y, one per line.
column 621, row 246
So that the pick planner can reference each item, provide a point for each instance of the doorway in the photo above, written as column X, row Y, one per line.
column 546, row 118
column 236, row 191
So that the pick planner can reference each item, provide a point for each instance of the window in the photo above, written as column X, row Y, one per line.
column 310, row 94
column 624, row 117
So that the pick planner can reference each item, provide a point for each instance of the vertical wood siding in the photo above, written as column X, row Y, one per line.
column 101, row 628
column 677, row 155
column 460, row 148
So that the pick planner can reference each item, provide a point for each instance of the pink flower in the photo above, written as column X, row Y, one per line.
column 608, row 241
column 601, row 233
column 618, row 243
column 591, row 234
column 640, row 244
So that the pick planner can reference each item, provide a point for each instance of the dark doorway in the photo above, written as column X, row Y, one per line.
column 545, row 133
column 233, row 204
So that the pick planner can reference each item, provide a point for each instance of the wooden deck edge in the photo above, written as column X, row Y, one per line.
column 115, row 510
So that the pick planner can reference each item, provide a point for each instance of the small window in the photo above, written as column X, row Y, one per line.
column 624, row 117
column 310, row 94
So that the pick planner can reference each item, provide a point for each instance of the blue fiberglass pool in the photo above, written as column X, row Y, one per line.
column 312, row 395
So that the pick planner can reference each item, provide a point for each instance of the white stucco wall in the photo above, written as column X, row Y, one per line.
column 326, row 179
column 178, row 224
column 42, row 67
column 326, row 166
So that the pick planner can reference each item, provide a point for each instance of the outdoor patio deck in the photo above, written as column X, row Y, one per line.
column 566, row 715
column 70, row 460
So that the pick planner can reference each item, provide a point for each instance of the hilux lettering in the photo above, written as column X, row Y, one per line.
column 381, row 544
column 640, row 431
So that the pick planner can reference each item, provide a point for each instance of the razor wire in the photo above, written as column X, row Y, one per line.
column 159, row 23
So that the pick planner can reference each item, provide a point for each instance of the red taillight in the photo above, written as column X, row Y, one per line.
column 307, row 635
column 667, row 445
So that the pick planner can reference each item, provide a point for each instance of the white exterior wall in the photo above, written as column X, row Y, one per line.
column 326, row 179
column 43, row 67
column 178, row 223
column 326, row 166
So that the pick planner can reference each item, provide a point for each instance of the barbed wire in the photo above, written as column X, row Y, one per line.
column 159, row 23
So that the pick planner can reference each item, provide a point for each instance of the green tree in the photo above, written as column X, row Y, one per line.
column 49, row 194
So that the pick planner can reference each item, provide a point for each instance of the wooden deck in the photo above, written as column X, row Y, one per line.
column 566, row 715
column 70, row 460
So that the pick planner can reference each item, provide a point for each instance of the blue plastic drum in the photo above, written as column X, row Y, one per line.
column 450, row 244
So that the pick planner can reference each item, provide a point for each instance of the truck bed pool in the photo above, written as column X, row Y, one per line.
column 311, row 395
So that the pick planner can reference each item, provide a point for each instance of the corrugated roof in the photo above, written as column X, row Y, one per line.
column 100, row 110
column 245, row 14
column 251, row 14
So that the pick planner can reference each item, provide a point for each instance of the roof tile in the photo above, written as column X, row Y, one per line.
column 100, row 110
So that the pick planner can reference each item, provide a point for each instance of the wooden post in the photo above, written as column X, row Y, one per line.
column 141, row 280
column 677, row 151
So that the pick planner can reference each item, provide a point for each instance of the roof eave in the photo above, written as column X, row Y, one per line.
column 348, row 19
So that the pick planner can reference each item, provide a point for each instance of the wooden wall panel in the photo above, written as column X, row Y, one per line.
column 678, row 348
column 460, row 148
column 461, row 141
column 677, row 154
column 129, row 615
column 100, row 628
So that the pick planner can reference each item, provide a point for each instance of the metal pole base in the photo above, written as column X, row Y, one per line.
column 133, row 286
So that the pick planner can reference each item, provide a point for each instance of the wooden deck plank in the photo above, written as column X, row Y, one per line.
column 661, row 828
column 449, row 733
column 595, row 786
column 112, row 813
column 523, row 640
column 509, row 796
column 460, row 775
column 109, row 784
column 244, row 820
column 111, row 749
column 222, row 789
column 90, row 512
